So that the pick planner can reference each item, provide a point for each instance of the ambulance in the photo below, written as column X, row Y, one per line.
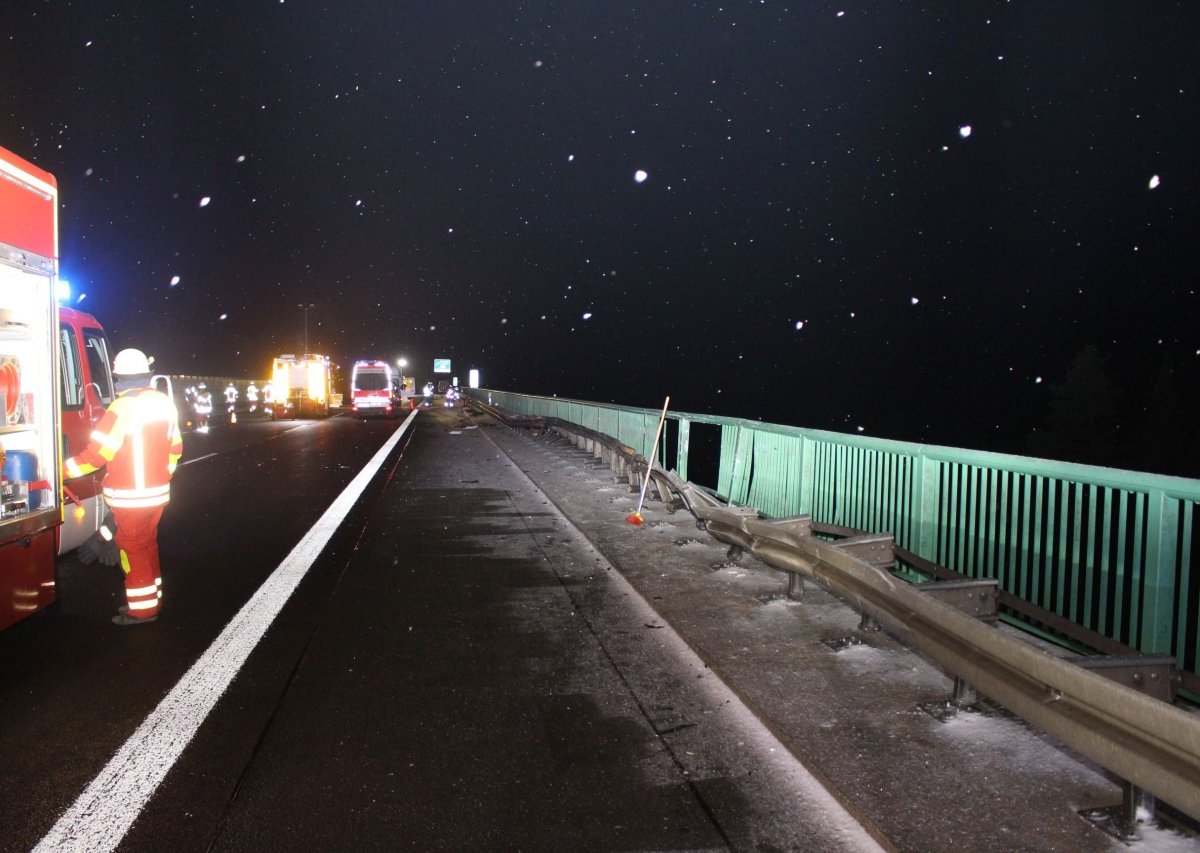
column 373, row 389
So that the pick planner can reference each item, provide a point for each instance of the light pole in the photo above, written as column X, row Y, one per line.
column 306, row 306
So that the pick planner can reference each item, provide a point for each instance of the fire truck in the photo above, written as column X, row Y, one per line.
column 372, row 389
column 86, row 389
column 300, row 387
column 30, row 432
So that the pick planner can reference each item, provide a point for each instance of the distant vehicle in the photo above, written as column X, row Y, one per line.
column 372, row 389
column 442, row 386
column 300, row 387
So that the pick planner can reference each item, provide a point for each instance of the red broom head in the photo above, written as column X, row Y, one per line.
column 636, row 518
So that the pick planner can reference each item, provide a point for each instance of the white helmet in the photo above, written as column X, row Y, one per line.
column 131, row 362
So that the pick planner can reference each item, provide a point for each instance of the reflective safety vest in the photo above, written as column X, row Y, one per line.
column 138, row 439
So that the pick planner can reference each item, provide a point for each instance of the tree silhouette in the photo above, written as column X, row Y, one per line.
column 1159, row 443
column 1083, row 424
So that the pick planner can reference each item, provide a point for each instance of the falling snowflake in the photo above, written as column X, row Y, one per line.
column 174, row 280
column 915, row 300
column 841, row 14
column 640, row 175
column 537, row 64
column 1154, row 182
column 241, row 158
column 799, row 325
column 205, row 201
column 861, row 428
column 1037, row 381
column 223, row 316
column 358, row 203
column 587, row 315
column 570, row 158
column 964, row 131
column 449, row 230
column 503, row 320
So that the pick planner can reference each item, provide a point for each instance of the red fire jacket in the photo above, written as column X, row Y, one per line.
column 138, row 438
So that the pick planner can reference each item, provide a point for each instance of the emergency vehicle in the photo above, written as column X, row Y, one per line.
column 30, row 508
column 300, row 386
column 372, row 389
column 87, row 389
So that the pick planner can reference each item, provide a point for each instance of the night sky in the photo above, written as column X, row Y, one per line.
column 904, row 219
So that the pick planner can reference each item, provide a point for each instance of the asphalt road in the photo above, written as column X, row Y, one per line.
column 459, row 670
column 73, row 686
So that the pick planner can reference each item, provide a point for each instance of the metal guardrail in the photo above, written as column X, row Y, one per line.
column 1147, row 741
column 1116, row 552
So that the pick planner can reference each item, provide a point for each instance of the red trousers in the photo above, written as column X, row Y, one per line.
column 137, row 537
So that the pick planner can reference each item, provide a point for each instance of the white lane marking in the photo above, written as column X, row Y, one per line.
column 276, row 435
column 104, row 812
column 197, row 459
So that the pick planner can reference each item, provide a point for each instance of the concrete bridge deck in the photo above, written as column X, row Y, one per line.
column 499, row 661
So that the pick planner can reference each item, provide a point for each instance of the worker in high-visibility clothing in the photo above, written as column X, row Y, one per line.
column 138, row 439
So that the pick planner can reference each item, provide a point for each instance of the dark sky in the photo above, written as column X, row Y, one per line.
column 904, row 217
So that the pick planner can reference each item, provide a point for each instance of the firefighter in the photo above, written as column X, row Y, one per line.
column 252, row 396
column 202, row 407
column 231, row 395
column 138, row 439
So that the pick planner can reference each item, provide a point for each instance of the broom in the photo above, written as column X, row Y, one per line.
column 636, row 518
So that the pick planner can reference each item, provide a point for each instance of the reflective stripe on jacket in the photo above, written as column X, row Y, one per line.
column 138, row 439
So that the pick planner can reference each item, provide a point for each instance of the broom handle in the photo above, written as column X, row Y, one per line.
column 653, row 453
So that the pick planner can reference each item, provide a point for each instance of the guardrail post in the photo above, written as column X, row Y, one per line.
column 739, row 478
column 924, row 506
column 681, row 451
column 1135, row 800
column 1158, row 598
column 808, row 464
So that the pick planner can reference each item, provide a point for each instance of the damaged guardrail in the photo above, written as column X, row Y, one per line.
column 1149, row 742
column 1129, row 730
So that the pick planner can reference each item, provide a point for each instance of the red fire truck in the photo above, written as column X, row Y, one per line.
column 85, row 360
column 30, row 433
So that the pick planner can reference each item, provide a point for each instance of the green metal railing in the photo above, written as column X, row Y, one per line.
column 1111, row 550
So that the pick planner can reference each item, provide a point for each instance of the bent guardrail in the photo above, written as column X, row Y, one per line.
column 1116, row 552
column 1147, row 741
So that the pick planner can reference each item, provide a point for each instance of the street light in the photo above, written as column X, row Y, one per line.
column 306, row 306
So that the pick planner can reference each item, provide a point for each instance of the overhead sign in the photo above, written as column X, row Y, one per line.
column 441, row 365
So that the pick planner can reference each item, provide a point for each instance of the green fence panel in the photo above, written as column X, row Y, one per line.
column 1111, row 550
